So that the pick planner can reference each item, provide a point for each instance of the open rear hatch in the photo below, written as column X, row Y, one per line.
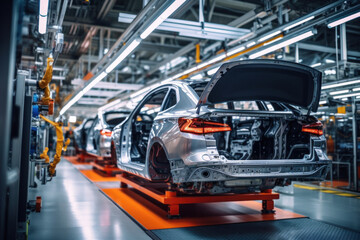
column 264, row 80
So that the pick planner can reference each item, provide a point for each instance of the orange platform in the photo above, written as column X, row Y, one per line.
column 109, row 170
column 74, row 160
column 94, row 176
column 152, row 215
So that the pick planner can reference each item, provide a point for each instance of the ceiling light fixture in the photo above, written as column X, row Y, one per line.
column 284, row 43
column 299, row 23
column 269, row 36
column 339, row 92
column 172, row 8
column 43, row 11
column 344, row 19
column 123, row 55
column 340, row 84
column 347, row 95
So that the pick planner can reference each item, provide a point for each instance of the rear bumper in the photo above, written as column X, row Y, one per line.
column 288, row 169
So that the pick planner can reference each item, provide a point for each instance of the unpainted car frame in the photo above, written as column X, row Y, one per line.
column 191, row 144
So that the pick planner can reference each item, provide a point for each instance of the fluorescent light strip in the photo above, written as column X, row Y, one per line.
column 123, row 55
column 232, row 52
column 44, row 5
column 275, row 40
column 42, row 24
column 197, row 77
column 269, row 36
column 329, row 61
column 298, row 23
column 82, row 92
column 339, row 92
column 340, row 84
column 94, row 82
column 316, row 65
column 282, row 44
column 344, row 20
column 250, row 44
column 175, row 5
column 347, row 95
column 212, row 71
column 322, row 102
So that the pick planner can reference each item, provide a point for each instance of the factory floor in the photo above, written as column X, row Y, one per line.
column 74, row 208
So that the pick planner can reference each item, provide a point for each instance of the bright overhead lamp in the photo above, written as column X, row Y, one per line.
column 271, row 42
column 282, row 44
column 269, row 36
column 175, row 5
column 82, row 92
column 216, row 59
column 43, row 11
column 234, row 51
column 322, row 102
column 329, row 61
column 315, row 65
column 197, row 77
column 44, row 5
column 339, row 92
column 71, row 102
column 299, row 23
column 340, row 84
column 94, row 82
column 42, row 24
column 72, row 119
column 347, row 95
column 212, row 71
column 250, row 44
column 123, row 55
column 344, row 19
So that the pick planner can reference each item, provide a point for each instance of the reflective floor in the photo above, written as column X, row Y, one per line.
column 74, row 208
column 326, row 207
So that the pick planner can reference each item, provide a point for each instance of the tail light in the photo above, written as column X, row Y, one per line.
column 201, row 126
column 313, row 128
column 105, row 132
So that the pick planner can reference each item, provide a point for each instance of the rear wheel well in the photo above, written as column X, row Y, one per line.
column 159, row 166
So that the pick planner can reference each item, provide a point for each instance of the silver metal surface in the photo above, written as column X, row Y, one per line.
column 343, row 44
column 195, row 158
column 355, row 144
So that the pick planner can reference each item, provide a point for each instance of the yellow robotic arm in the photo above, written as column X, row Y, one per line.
column 59, row 144
column 44, row 82
column 45, row 156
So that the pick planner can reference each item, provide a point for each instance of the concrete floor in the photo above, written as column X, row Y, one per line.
column 74, row 208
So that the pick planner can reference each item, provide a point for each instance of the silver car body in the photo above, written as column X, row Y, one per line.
column 80, row 133
column 195, row 161
column 98, row 144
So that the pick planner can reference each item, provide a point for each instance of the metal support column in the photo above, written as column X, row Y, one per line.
column 296, row 52
column 15, row 153
column 354, row 125
column 25, row 161
column 101, row 43
column 343, row 45
column 9, row 20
